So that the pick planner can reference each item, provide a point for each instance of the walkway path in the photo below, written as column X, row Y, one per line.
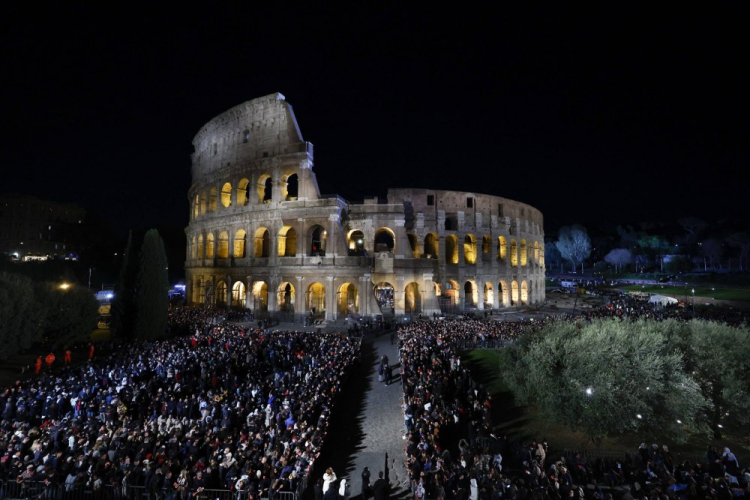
column 382, row 426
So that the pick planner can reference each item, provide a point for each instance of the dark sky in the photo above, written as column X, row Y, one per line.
column 589, row 116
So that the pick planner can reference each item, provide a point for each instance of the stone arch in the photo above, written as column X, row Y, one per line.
column 347, row 299
column 451, row 249
column 240, row 243
column 285, row 296
column 200, row 246
column 384, row 295
column 210, row 246
column 243, row 192
column 316, row 298
column 412, row 298
column 239, row 296
column 356, row 242
column 222, row 248
column 488, row 296
column 486, row 244
column 262, row 243
column 513, row 253
column 471, row 294
column 413, row 245
column 318, row 238
column 470, row 249
column 260, row 296
column 212, row 195
column 198, row 296
column 385, row 240
column 523, row 254
column 264, row 187
column 502, row 288
column 290, row 186
column 502, row 248
column 524, row 293
column 204, row 202
column 451, row 291
column 221, row 293
column 193, row 248
column 287, row 244
column 514, row 293
column 197, row 206
column 536, row 253
column 431, row 249
column 226, row 195
column 209, row 291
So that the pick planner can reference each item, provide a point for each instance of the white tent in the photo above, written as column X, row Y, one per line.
column 662, row 299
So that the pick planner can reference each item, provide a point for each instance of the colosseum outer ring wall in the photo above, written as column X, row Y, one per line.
column 262, row 237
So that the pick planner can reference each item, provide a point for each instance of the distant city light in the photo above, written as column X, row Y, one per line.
column 589, row 391
column 639, row 416
column 65, row 286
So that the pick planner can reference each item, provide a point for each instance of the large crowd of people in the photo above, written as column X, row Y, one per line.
column 226, row 407
column 442, row 402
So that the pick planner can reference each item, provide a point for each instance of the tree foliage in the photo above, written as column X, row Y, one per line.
column 151, row 299
column 19, row 315
column 123, row 303
column 619, row 257
column 574, row 244
column 608, row 377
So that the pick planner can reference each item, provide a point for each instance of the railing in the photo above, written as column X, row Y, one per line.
column 42, row 490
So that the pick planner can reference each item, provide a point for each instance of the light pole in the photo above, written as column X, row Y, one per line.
column 693, row 290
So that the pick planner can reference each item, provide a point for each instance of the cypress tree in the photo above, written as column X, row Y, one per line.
column 123, row 303
column 151, row 300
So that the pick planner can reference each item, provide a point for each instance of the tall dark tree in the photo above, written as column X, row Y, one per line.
column 151, row 300
column 19, row 322
column 123, row 303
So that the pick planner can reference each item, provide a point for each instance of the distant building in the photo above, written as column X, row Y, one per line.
column 262, row 237
column 35, row 229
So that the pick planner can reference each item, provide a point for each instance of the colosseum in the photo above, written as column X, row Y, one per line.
column 262, row 237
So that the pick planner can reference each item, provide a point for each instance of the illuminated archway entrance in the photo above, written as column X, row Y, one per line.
column 260, row 296
column 315, row 302
column 489, row 296
column 318, row 237
column 412, row 298
column 431, row 246
column 503, row 289
column 514, row 293
column 221, row 293
column 524, row 293
column 239, row 297
column 470, row 294
column 285, row 297
column 347, row 299
column 384, row 296
column 385, row 240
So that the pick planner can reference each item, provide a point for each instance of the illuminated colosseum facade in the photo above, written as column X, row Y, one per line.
column 262, row 237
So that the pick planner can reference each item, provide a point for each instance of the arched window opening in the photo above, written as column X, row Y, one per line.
column 315, row 302
column 209, row 290
column 524, row 254
column 197, row 206
column 383, row 292
column 204, row 202
column 240, row 241
column 287, row 245
column 438, row 289
column 412, row 298
column 260, row 296
column 536, row 253
column 502, row 248
column 347, row 299
column 239, row 297
column 451, row 249
column 541, row 255
column 470, row 294
column 514, row 293
column 413, row 245
column 265, row 189
column 384, row 240
column 451, row 292
column 285, row 297
column 212, row 199
column 524, row 293
column 356, row 242
column 290, row 187
column 223, row 247
column 489, row 296
column 210, row 246
column 243, row 192
column 503, row 289
column 451, row 224
column 470, row 249
column 431, row 246
column 513, row 253
column 318, row 238
column 198, row 294
column 226, row 195
column 221, row 293
column 200, row 246
column 262, row 242
column 193, row 249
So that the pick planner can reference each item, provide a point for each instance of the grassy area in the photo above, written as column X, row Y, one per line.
column 526, row 423
column 682, row 293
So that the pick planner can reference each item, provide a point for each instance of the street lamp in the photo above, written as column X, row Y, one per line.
column 693, row 290
column 65, row 286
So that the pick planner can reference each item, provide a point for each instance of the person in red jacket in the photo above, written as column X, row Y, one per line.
column 38, row 365
column 49, row 359
column 91, row 351
column 68, row 357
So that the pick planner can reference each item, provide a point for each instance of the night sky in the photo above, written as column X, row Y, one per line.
column 591, row 116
